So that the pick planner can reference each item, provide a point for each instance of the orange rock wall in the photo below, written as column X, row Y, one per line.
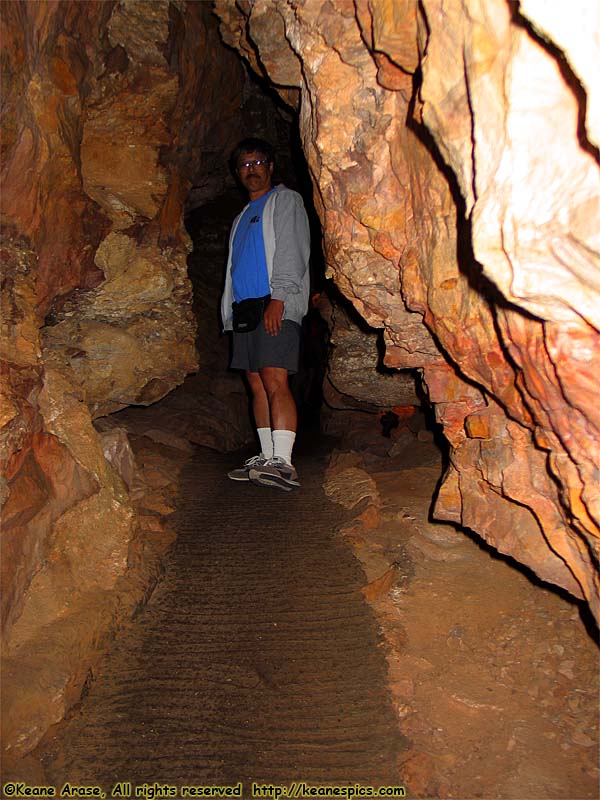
column 453, row 150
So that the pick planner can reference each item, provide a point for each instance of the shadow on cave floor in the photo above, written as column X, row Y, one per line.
column 257, row 658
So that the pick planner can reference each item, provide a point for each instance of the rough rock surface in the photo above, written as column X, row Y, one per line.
column 453, row 148
column 130, row 340
column 353, row 367
column 74, row 541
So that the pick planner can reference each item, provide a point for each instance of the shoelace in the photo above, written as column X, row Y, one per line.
column 254, row 460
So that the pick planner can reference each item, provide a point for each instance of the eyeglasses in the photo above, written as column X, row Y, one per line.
column 258, row 162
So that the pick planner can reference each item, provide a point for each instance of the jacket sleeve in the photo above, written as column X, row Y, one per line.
column 292, row 246
column 227, row 297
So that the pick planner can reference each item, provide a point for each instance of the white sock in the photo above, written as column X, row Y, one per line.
column 266, row 441
column 283, row 444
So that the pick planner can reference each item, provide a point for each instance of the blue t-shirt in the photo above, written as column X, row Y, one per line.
column 249, row 274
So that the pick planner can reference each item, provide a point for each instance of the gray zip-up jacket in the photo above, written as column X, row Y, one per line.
column 287, row 248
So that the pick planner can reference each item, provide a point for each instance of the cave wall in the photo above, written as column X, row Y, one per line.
column 111, row 113
column 453, row 149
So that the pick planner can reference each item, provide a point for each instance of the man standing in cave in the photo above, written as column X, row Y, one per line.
column 267, row 286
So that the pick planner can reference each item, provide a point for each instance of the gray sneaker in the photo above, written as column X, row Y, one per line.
column 243, row 474
column 275, row 472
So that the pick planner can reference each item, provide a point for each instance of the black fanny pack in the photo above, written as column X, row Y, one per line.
column 247, row 314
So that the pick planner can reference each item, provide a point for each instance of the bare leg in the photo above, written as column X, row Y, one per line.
column 260, row 400
column 280, row 400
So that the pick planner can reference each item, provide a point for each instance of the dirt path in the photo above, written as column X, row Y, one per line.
column 257, row 659
column 494, row 676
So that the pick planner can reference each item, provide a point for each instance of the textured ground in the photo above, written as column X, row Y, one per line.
column 494, row 676
column 257, row 658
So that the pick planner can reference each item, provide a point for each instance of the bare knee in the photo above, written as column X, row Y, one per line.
column 275, row 380
column 255, row 382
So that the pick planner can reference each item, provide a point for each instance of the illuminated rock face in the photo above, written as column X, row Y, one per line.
column 453, row 149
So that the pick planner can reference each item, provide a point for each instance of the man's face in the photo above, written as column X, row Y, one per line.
column 256, row 178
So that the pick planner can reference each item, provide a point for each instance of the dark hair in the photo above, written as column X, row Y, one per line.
column 251, row 145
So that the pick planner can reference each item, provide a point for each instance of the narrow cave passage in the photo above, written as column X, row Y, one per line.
column 294, row 639
column 336, row 635
column 257, row 658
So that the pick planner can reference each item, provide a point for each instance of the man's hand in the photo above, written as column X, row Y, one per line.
column 272, row 317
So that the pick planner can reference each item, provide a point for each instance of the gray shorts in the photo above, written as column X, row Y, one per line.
column 257, row 349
